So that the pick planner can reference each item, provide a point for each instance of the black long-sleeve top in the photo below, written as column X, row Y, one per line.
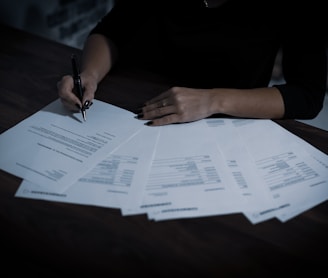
column 231, row 46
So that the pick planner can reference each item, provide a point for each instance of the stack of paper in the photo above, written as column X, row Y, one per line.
column 208, row 167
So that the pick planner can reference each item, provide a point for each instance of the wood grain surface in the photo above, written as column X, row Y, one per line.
column 53, row 239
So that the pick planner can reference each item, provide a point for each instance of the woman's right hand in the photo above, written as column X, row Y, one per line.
column 67, row 96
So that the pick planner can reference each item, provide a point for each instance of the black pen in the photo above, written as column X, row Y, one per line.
column 78, row 84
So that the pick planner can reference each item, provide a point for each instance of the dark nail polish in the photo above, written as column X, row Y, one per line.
column 149, row 123
column 140, row 115
column 78, row 106
column 87, row 104
column 90, row 103
column 139, row 111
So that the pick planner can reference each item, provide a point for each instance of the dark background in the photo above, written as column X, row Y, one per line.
column 69, row 22
column 66, row 21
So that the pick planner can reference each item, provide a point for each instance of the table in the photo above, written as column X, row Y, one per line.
column 56, row 239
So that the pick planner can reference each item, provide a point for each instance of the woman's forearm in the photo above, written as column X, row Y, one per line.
column 99, row 56
column 251, row 103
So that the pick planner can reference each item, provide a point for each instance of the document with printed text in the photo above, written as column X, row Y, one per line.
column 54, row 148
column 115, row 182
column 214, row 166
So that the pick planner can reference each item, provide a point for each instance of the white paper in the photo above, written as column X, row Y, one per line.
column 289, row 172
column 239, row 163
column 203, row 168
column 54, row 148
column 116, row 182
column 314, row 197
column 188, row 176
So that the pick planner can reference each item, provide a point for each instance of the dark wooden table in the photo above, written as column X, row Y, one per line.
column 53, row 239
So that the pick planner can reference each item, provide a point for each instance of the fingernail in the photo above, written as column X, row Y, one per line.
column 139, row 111
column 140, row 115
column 78, row 106
column 87, row 104
column 149, row 123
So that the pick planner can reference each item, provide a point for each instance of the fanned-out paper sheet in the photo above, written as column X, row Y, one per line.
column 54, row 147
column 209, row 167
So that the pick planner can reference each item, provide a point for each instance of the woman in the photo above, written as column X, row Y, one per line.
column 220, row 54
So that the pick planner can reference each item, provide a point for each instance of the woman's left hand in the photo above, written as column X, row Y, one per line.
column 178, row 105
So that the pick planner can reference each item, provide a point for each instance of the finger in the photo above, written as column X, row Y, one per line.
column 158, row 105
column 89, row 89
column 72, row 101
column 156, row 113
column 88, row 97
column 157, row 99
column 66, row 94
column 69, row 106
column 87, row 104
column 165, row 120
column 164, row 102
